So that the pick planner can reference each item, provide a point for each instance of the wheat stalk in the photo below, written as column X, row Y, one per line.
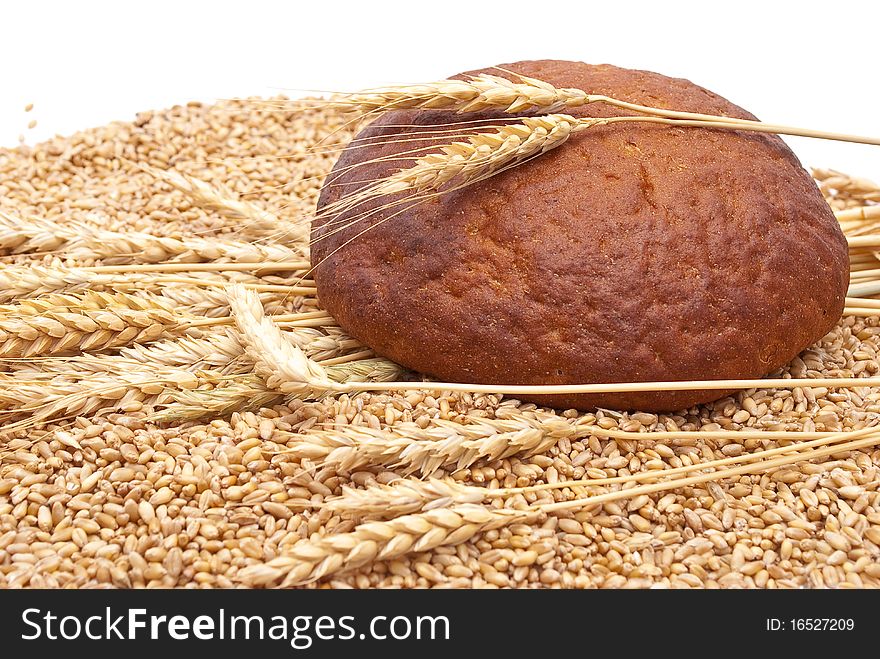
column 83, row 243
column 482, row 92
column 282, row 365
column 403, row 497
column 473, row 94
column 313, row 559
column 242, row 394
column 858, row 213
column 295, row 268
column 408, row 448
column 375, row 541
column 91, row 393
column 408, row 496
column 259, row 223
column 618, row 387
column 484, row 154
column 68, row 324
column 480, row 156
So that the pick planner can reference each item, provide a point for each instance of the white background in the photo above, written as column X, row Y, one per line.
column 86, row 63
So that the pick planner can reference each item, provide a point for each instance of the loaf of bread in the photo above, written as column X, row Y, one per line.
column 632, row 252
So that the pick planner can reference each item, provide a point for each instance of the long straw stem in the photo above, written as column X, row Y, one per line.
column 858, row 213
column 618, row 387
column 697, row 119
column 825, row 439
column 675, row 484
column 201, row 267
column 727, row 124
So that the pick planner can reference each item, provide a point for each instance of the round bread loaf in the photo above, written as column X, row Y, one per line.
column 632, row 252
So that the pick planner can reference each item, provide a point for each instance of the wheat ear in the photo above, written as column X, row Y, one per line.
column 84, row 242
column 224, row 352
column 480, row 156
column 19, row 237
column 40, row 399
column 243, row 394
column 249, row 393
column 403, row 497
column 22, row 281
column 487, row 92
column 485, row 154
column 258, row 223
column 409, row 449
column 473, row 94
column 69, row 324
column 310, row 560
column 283, row 366
column 375, row 541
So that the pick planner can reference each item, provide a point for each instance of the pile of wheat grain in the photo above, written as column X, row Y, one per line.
column 303, row 491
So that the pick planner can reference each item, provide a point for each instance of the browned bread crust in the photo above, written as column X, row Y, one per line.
column 630, row 253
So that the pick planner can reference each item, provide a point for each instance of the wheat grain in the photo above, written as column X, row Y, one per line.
column 872, row 439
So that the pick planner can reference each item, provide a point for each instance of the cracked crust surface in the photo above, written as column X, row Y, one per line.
column 630, row 253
